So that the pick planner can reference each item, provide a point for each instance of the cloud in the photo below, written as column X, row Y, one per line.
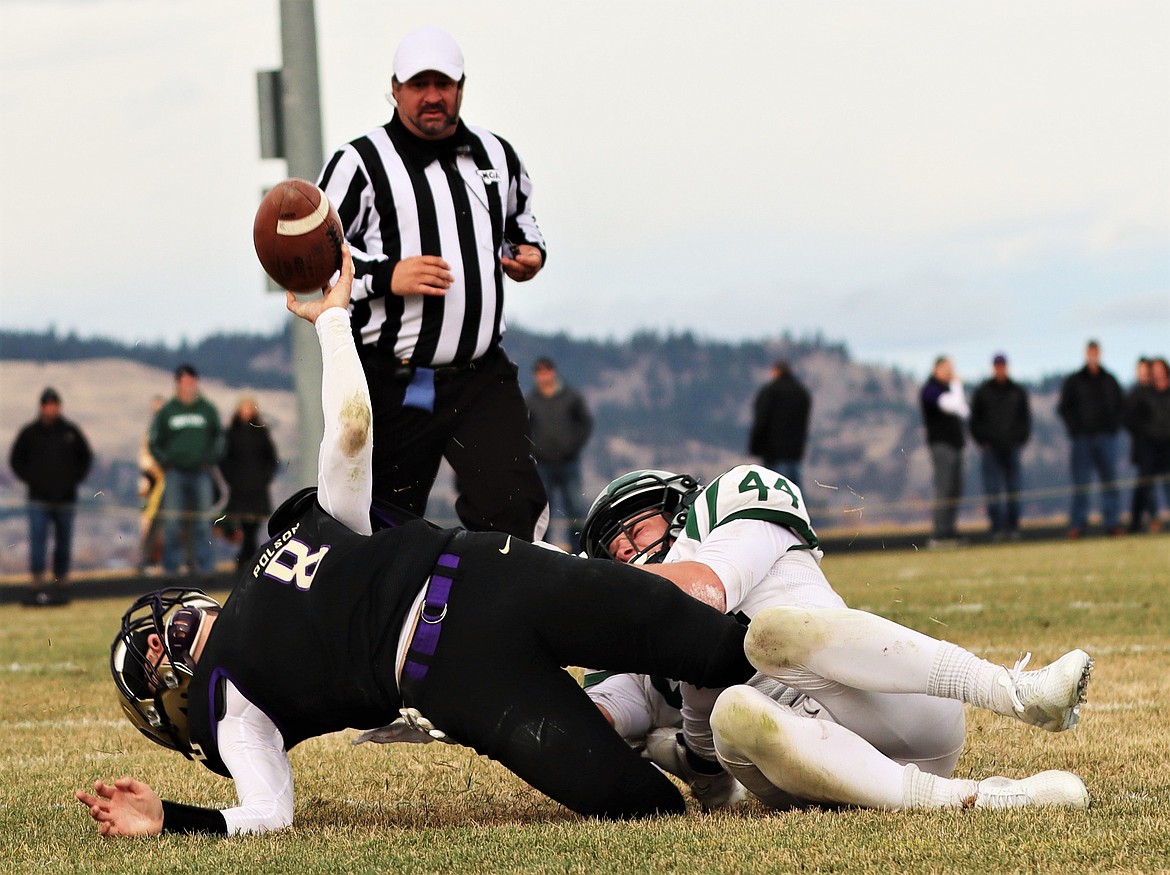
column 894, row 175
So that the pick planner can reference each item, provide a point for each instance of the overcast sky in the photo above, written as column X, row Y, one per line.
column 906, row 177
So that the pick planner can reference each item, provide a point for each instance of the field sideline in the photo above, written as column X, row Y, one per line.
column 440, row 808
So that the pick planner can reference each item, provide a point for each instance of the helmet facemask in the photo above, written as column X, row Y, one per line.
column 153, row 691
column 629, row 500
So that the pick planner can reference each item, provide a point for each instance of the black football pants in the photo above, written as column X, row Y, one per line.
column 497, row 683
column 479, row 423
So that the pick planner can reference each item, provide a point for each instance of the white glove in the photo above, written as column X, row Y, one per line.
column 411, row 728
column 665, row 749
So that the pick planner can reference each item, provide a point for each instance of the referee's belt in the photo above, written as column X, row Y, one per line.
column 405, row 370
column 424, row 642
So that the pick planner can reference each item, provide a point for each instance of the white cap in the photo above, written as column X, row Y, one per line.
column 428, row 48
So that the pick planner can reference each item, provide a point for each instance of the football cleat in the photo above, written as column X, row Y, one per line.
column 1045, row 789
column 665, row 748
column 1050, row 697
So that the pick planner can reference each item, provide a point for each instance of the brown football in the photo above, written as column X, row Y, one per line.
column 298, row 236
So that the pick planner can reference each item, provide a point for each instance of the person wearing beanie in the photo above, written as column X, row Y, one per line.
column 1001, row 423
column 52, row 457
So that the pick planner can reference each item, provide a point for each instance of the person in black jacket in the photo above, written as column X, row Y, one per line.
column 248, row 465
column 561, row 424
column 780, row 426
column 52, row 456
column 1139, row 505
column 1148, row 417
column 944, row 408
column 1091, row 406
column 1001, row 423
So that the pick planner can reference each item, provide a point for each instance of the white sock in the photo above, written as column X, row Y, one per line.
column 924, row 790
column 960, row 674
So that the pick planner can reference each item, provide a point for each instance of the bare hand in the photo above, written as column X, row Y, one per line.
column 336, row 295
column 128, row 808
column 524, row 264
column 421, row 275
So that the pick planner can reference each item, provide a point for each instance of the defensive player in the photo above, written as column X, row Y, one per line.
column 344, row 617
column 890, row 723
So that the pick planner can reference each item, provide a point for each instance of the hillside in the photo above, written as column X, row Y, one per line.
column 674, row 402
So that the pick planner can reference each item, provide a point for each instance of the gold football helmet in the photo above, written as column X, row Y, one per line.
column 153, row 691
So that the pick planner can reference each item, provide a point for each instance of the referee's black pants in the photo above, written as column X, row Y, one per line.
column 514, row 619
column 479, row 423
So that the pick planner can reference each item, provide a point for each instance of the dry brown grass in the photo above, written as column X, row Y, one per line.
column 442, row 809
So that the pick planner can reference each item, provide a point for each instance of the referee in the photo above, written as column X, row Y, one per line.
column 437, row 212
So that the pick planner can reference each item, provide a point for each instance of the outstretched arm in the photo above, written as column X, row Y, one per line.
column 345, row 463
column 250, row 746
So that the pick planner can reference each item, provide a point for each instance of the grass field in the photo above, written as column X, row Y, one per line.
column 443, row 809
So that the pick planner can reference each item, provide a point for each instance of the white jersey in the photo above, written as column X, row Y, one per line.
column 752, row 528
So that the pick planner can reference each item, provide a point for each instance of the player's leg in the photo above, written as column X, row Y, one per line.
column 604, row 615
column 589, row 612
column 765, row 745
column 532, row 717
column 496, row 682
column 906, row 727
column 869, row 652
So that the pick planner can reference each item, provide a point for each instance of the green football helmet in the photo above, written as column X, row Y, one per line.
column 153, row 695
column 632, row 498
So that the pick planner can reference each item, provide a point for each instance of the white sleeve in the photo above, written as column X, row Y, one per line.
column 252, row 748
column 953, row 401
column 345, row 463
column 742, row 552
column 623, row 696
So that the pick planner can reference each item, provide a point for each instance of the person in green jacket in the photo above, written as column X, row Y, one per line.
column 186, row 438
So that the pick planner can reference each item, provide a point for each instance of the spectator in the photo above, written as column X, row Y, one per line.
column 780, row 425
column 151, row 484
column 186, row 438
column 1150, row 418
column 561, row 424
column 944, row 408
column 248, row 465
column 1091, row 407
column 1001, row 423
column 1139, row 504
column 51, row 456
column 438, row 213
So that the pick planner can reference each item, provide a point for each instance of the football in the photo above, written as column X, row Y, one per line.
column 298, row 236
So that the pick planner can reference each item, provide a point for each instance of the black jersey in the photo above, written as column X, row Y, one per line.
column 310, row 631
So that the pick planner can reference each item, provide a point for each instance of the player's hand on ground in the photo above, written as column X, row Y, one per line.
column 524, row 264
column 337, row 295
column 421, row 275
column 125, row 808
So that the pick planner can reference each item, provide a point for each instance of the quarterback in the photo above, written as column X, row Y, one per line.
column 354, row 613
column 887, row 723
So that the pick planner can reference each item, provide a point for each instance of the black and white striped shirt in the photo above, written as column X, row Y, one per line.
column 463, row 199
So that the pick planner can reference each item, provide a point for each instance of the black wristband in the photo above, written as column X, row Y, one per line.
column 179, row 818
